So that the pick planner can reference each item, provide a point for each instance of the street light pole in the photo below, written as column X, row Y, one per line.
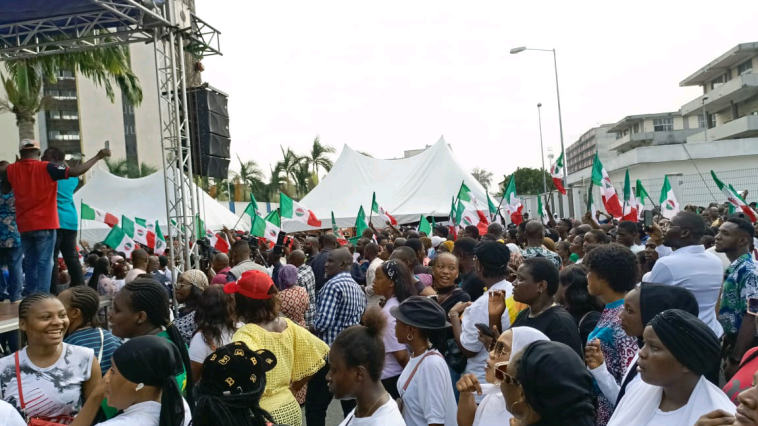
column 560, row 116
column 542, row 152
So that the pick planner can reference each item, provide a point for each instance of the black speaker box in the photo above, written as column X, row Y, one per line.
column 215, row 167
column 208, row 99
column 213, row 144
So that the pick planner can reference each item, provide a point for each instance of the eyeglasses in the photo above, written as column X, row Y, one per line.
column 502, row 377
column 498, row 348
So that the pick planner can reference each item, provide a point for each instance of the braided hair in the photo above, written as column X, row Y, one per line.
column 88, row 302
column 29, row 301
column 147, row 295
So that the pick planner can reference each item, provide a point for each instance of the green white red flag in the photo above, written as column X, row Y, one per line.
column 360, row 223
column 543, row 212
column 453, row 229
column 160, row 241
column 264, row 229
column 217, row 240
column 93, row 213
column 386, row 217
column 734, row 199
column 669, row 205
column 491, row 207
column 601, row 179
column 512, row 202
column 640, row 196
column 471, row 213
column 119, row 241
column 556, row 172
column 424, row 226
column 292, row 210
column 630, row 201
column 336, row 231
column 137, row 231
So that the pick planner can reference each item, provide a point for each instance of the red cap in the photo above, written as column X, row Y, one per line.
column 252, row 284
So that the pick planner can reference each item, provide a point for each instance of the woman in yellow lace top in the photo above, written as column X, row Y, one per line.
column 299, row 353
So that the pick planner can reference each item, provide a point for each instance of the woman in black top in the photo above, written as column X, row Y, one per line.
column 445, row 272
column 573, row 295
column 536, row 286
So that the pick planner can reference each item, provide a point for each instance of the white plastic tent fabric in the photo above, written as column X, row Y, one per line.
column 406, row 188
column 144, row 198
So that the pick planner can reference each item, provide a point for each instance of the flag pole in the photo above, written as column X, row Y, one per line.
column 80, row 222
column 240, row 218
column 371, row 213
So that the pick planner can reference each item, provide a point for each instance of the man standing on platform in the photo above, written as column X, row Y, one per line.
column 35, row 186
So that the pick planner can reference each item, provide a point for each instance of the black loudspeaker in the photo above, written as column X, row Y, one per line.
column 214, row 167
column 209, row 131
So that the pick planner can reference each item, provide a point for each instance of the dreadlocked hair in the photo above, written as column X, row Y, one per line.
column 242, row 409
column 88, row 302
column 147, row 295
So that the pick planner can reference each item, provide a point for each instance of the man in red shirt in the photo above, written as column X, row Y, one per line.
column 35, row 186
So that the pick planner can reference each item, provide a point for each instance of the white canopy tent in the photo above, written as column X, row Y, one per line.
column 144, row 198
column 406, row 188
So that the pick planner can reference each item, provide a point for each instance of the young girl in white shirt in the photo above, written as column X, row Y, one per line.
column 356, row 360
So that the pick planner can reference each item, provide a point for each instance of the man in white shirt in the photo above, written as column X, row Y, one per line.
column 627, row 234
column 371, row 255
column 689, row 266
column 139, row 265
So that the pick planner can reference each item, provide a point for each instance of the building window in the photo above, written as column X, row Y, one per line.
column 744, row 67
column 711, row 121
column 716, row 82
column 64, row 135
column 636, row 128
column 663, row 124
column 65, row 75
column 700, row 121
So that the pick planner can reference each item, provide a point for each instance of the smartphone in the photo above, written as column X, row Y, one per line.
column 752, row 305
column 648, row 218
column 107, row 144
column 485, row 329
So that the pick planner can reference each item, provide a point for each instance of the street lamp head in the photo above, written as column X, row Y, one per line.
column 539, row 105
column 517, row 50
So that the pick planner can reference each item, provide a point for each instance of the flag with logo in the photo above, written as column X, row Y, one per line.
column 119, row 241
column 471, row 213
column 734, row 199
column 336, row 231
column 386, row 217
column 252, row 208
column 601, row 179
column 93, row 213
column 556, row 172
column 543, row 212
column 424, row 226
column 292, row 210
column 265, row 229
column 630, row 201
column 512, row 202
column 160, row 241
column 669, row 205
column 137, row 232
column 360, row 223
column 641, row 196
column 217, row 240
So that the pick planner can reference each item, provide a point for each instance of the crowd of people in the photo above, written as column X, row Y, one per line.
column 569, row 322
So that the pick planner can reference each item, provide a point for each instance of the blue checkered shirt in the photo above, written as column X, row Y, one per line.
column 341, row 303
column 307, row 280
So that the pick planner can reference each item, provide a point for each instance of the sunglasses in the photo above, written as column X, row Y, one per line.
column 498, row 348
column 501, row 376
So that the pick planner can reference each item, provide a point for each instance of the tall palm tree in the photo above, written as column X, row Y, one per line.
column 146, row 170
column 303, row 179
column 252, row 176
column 277, row 183
column 25, row 78
column 318, row 157
column 289, row 164
column 117, row 166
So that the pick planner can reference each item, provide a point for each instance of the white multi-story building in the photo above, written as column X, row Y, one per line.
column 678, row 144
column 82, row 118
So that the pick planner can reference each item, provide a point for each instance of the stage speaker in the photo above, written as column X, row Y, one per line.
column 215, row 167
column 208, row 122
column 213, row 144
column 208, row 99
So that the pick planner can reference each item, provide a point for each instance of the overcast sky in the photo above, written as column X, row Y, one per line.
column 395, row 75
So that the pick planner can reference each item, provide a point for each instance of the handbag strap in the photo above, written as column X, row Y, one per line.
column 102, row 345
column 18, row 380
column 579, row 326
column 413, row 373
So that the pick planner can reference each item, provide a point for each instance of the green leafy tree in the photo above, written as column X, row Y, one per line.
column 123, row 168
column 252, row 176
column 318, row 156
column 528, row 181
column 483, row 176
column 24, row 80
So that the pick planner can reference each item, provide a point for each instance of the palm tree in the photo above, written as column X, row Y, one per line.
column 252, row 176
column 26, row 77
column 146, row 170
column 318, row 157
column 276, row 184
column 117, row 166
column 303, row 179
column 289, row 164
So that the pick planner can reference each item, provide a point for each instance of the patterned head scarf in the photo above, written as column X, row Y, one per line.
column 236, row 369
column 197, row 278
column 391, row 268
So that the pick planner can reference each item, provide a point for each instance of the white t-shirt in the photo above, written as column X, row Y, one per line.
column 669, row 418
column 636, row 248
column 10, row 417
column 392, row 368
column 199, row 349
column 491, row 411
column 144, row 414
column 387, row 414
column 51, row 391
column 478, row 312
column 429, row 398
column 132, row 275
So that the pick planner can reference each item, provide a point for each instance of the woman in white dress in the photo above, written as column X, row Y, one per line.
column 425, row 386
column 491, row 411
column 356, row 360
column 141, row 385
column 679, row 349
